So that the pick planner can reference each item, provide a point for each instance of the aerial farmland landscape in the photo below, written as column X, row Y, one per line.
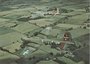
column 44, row 31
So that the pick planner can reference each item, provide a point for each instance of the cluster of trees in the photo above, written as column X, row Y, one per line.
column 87, row 9
column 66, row 11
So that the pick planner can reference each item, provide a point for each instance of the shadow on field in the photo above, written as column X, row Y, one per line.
column 8, row 61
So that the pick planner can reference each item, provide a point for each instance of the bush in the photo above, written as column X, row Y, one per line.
column 24, row 19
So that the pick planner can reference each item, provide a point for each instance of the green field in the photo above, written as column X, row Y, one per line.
column 5, row 30
column 25, row 27
column 49, row 27
column 9, row 38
